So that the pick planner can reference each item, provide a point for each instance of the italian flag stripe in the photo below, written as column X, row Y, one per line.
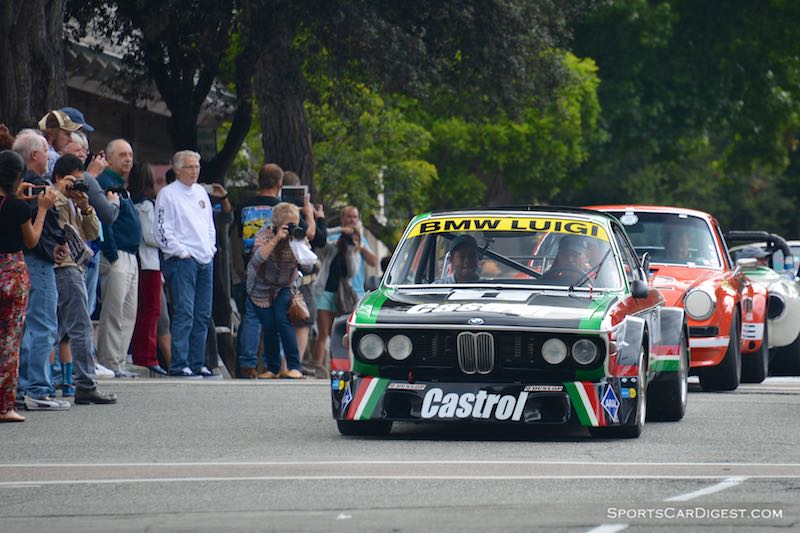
column 365, row 398
column 667, row 362
column 374, row 398
column 591, row 393
column 581, row 402
column 354, row 405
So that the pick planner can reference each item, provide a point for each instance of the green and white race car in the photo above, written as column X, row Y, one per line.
column 528, row 316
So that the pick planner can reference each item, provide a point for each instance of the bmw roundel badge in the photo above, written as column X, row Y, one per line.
column 476, row 321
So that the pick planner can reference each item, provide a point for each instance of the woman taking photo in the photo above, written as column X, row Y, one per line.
column 270, row 274
column 15, row 219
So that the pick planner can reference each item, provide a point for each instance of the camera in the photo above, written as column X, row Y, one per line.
column 79, row 186
column 296, row 232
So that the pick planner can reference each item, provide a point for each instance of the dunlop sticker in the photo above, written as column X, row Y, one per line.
column 527, row 224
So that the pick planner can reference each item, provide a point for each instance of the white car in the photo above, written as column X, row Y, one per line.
column 775, row 268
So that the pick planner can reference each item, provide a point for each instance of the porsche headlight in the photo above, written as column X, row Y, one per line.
column 399, row 347
column 370, row 346
column 584, row 352
column 554, row 351
column 699, row 304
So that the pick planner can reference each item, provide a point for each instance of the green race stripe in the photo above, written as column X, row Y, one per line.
column 590, row 375
column 577, row 403
column 377, row 395
column 368, row 310
column 666, row 365
column 367, row 369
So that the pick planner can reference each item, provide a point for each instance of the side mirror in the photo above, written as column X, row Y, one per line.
column 639, row 289
column 372, row 283
column 747, row 262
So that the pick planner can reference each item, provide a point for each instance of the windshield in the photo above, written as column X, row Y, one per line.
column 671, row 238
column 519, row 250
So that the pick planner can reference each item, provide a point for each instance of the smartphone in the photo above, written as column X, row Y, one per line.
column 32, row 190
column 295, row 194
column 209, row 187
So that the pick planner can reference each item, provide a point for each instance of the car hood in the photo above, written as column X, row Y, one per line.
column 673, row 281
column 485, row 307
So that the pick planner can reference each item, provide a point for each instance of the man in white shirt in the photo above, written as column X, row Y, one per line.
column 184, row 229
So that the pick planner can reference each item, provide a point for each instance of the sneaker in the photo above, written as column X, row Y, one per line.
column 47, row 403
column 125, row 374
column 68, row 391
column 102, row 372
column 208, row 374
column 185, row 373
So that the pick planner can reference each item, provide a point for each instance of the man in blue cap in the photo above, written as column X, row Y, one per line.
column 464, row 260
column 77, row 117
column 569, row 264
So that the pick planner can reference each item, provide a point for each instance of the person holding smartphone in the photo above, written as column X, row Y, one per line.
column 19, row 232
column 36, row 391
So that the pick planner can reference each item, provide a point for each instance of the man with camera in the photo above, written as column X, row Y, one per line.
column 185, row 232
column 80, row 224
column 119, row 270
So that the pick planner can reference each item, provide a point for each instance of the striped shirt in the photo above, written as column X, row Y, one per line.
column 268, row 275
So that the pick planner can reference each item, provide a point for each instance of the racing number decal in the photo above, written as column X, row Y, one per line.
column 573, row 227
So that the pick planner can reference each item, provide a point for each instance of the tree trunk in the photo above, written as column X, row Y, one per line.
column 279, row 86
column 31, row 60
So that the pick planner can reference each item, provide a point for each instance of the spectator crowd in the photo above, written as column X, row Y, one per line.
column 92, row 237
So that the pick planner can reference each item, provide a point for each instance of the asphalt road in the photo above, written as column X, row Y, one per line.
column 244, row 456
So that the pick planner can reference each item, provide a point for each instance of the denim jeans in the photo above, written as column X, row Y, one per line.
column 191, row 286
column 249, row 335
column 92, row 276
column 41, row 326
column 275, row 323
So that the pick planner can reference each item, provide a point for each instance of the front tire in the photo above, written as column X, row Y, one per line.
column 787, row 360
column 668, row 397
column 366, row 428
column 755, row 366
column 727, row 374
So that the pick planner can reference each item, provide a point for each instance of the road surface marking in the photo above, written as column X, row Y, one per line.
column 724, row 484
column 608, row 528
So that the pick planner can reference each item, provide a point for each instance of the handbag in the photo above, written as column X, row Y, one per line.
column 298, row 310
column 346, row 298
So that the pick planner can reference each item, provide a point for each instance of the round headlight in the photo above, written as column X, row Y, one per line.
column 399, row 347
column 554, row 351
column 699, row 304
column 584, row 351
column 370, row 346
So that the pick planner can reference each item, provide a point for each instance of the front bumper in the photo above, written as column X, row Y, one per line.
column 605, row 402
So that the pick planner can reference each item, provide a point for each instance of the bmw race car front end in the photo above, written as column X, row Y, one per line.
column 513, row 377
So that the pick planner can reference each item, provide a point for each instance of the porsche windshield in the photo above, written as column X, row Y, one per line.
column 517, row 250
column 671, row 238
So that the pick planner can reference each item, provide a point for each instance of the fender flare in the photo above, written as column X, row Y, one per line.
column 629, row 338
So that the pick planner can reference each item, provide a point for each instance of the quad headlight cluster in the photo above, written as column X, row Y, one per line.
column 583, row 351
column 372, row 346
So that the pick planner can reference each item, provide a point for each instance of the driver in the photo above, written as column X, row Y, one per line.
column 463, row 261
column 570, row 262
column 676, row 243
column 761, row 256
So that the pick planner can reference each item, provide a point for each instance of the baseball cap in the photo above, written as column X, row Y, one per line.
column 462, row 240
column 752, row 251
column 574, row 243
column 58, row 119
column 77, row 117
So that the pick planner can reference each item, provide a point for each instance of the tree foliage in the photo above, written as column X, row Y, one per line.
column 700, row 103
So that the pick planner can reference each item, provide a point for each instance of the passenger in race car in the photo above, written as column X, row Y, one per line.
column 463, row 261
column 569, row 264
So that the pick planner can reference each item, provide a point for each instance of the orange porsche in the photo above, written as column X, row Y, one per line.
column 690, row 264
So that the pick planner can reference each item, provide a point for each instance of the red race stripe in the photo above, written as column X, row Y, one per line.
column 591, row 393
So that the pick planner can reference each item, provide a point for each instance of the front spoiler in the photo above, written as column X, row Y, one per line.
column 605, row 402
